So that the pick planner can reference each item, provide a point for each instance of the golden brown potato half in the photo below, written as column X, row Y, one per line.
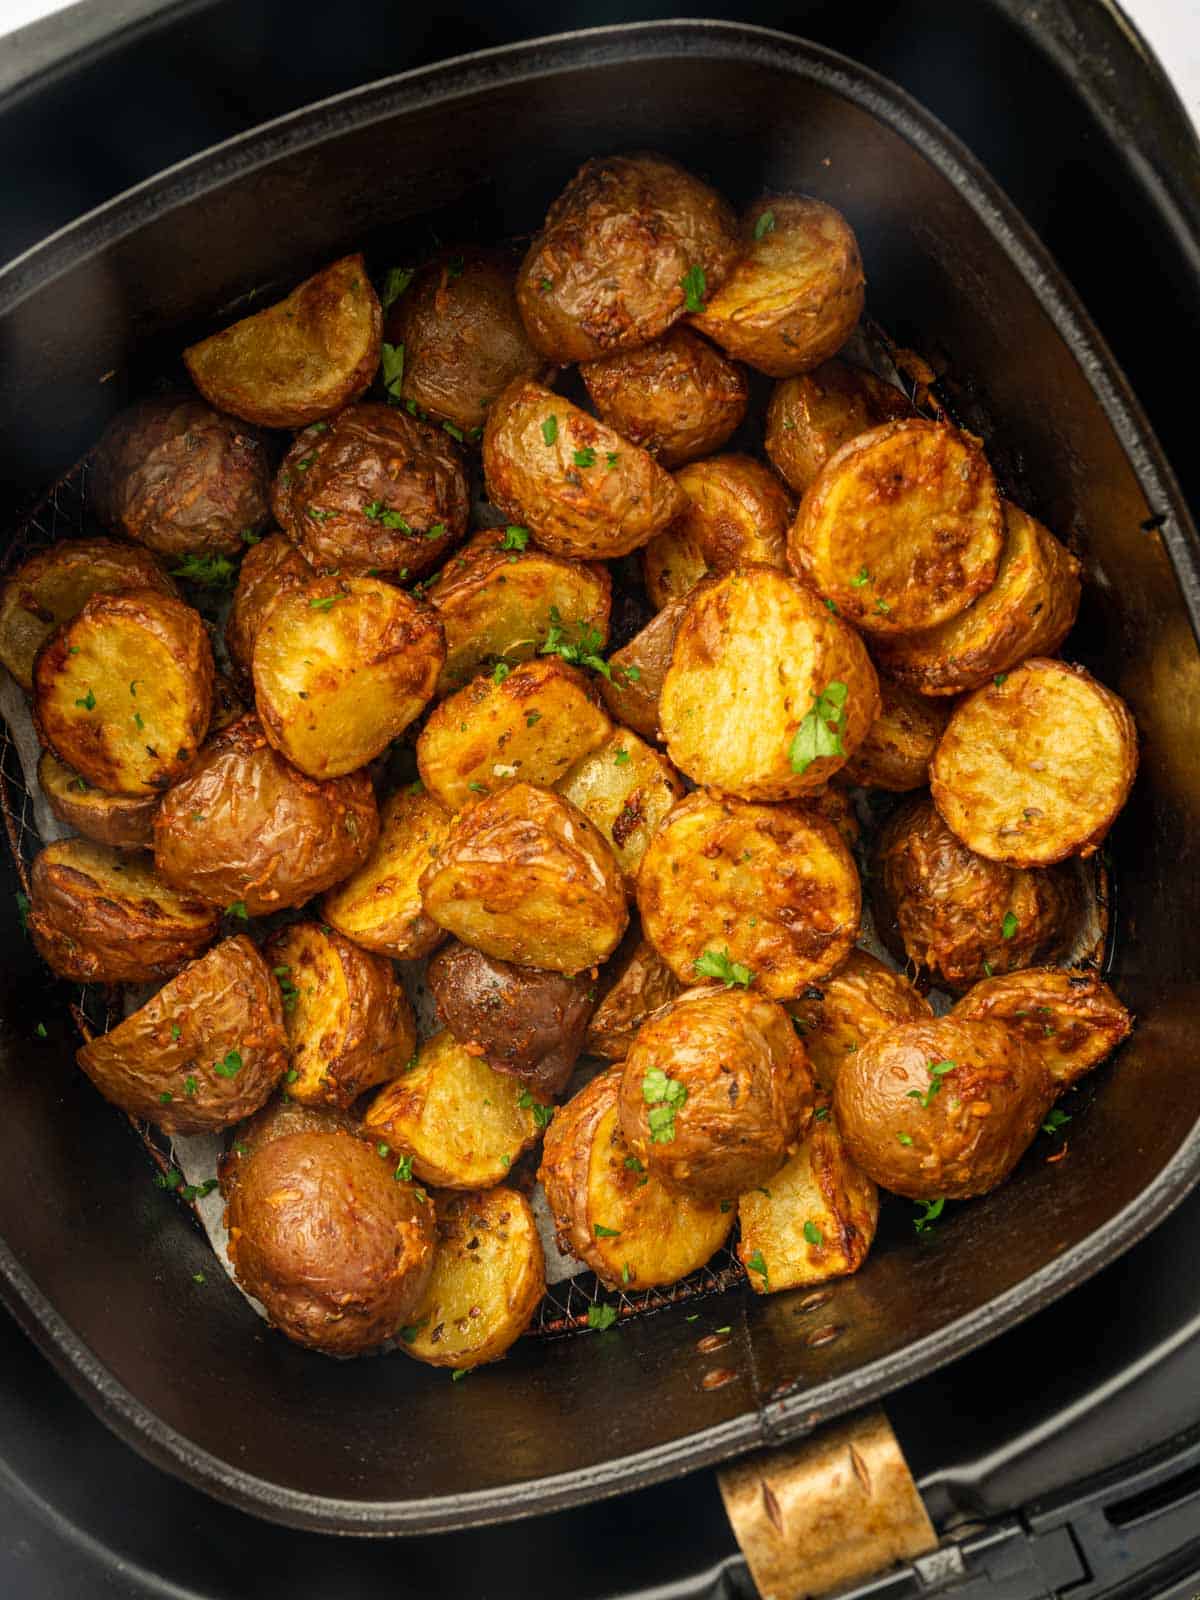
column 902, row 528
column 678, row 398
column 269, row 566
column 796, row 293
column 462, row 1123
column 372, row 490
column 837, row 1016
column 245, row 829
column 175, row 475
column 642, row 985
column 462, row 335
column 349, row 1024
column 768, row 693
column 102, row 916
column 341, row 667
column 900, row 743
column 489, row 1276
column 1028, row 611
column 280, row 1116
column 379, row 904
column 1036, row 767
column 812, row 416
column 499, row 597
column 126, row 822
column 528, row 724
column 942, row 1109
column 771, row 890
column 609, row 1211
column 955, row 914
column 525, row 877
column 814, row 1221
column 1070, row 1020
column 123, row 691
column 638, row 671
column 630, row 245
column 300, row 359
column 204, row 1052
column 716, row 1092
column 737, row 514
column 579, row 487
column 626, row 788
column 336, row 1250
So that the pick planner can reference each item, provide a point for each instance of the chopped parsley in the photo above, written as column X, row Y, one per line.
column 882, row 607
column 602, row 1232
column 392, row 361
column 326, row 604
column 541, row 1114
column 905, row 1138
column 376, row 511
column 1055, row 1122
column 395, row 282
column 585, row 457
column 820, row 733
column 999, row 679
column 583, row 651
column 230, row 1067
column 937, row 1073
column 601, row 1317
column 1010, row 925
column 694, row 284
column 40, row 1030
column 189, row 1086
column 634, row 1164
column 214, row 572
column 237, row 908
column 500, row 671
column 757, row 1264
column 864, row 577
column 933, row 1210
column 23, row 909
column 403, row 1172
column 455, row 433
column 88, row 702
column 621, row 757
column 550, row 429
column 515, row 538
column 664, row 1096
column 716, row 964
column 611, row 458
column 813, row 1234
column 764, row 225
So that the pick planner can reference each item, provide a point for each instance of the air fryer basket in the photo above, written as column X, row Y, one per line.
column 100, row 1269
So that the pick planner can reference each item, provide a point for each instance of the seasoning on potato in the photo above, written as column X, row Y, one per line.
column 273, row 564
column 280, row 1116
column 837, row 1016
column 632, row 689
column 379, row 904
column 812, row 416
column 1071, row 1020
column 641, row 984
column 626, row 788
column 900, row 743
column 124, row 821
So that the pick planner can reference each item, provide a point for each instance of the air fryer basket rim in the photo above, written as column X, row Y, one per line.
column 790, row 1415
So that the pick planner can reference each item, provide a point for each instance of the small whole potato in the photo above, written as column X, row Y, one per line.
column 124, row 821
column 1070, row 1020
column 272, row 564
column 812, row 416
column 837, row 1016
column 379, row 904
column 900, row 743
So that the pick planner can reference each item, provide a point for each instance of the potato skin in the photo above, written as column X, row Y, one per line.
column 974, row 1130
column 639, row 670
column 626, row 788
column 751, row 656
column 643, row 984
column 100, row 916
column 173, row 474
column 837, row 1016
column 737, row 513
column 337, row 1251
column 341, row 479
column 607, row 270
column 378, row 905
column 531, row 446
column 160, row 1064
column 810, row 417
column 900, row 743
column 1070, row 1020
column 270, row 566
column 280, row 1116
column 126, row 822
column 246, row 826
column 774, row 887
column 524, row 1021
column 749, row 1092
column 525, row 877
column 1035, row 768
column 677, row 398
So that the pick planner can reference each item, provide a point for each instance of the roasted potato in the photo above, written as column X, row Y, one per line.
column 280, row 1116
column 300, row 359
column 175, row 475
column 245, row 829
column 123, row 691
column 768, row 693
column 126, row 822
column 796, row 292
column 609, row 1211
column 737, row 514
column 525, row 877
column 582, row 489
column 833, row 802
column 523, row 1021
column 498, row 599
column 462, row 335
column 101, row 916
column 956, row 915
column 642, row 984
column 716, row 1092
column 678, row 398
column 630, row 245
column 272, row 564
column 1070, row 1020
column 900, row 742
column 942, row 1109
column 837, row 1016
column 336, row 1250
column 462, row 1123
column 1035, row 767
column 227, row 705
column 349, row 1024
column 812, row 416
column 372, row 490
column 638, row 670
column 902, row 528
column 341, row 667
column 626, row 788
column 489, row 1276
column 204, row 1052
column 379, row 904
column 530, row 724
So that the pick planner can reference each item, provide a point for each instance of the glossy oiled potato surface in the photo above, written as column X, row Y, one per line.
column 678, row 397
column 378, row 905
column 837, row 1015
column 1070, row 1020
column 736, row 513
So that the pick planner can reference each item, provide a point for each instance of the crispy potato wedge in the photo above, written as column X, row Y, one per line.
column 638, row 671
column 489, row 1275
column 341, row 667
column 1035, row 768
column 1070, row 1020
column 737, row 514
column 751, row 703
column 349, row 1024
column 269, row 566
column 626, row 788
column 812, row 416
column 100, row 915
column 204, row 1052
column 298, row 360
column 902, row 528
column 643, row 984
column 582, row 489
column 837, row 1016
column 525, row 877
column 530, row 724
column 609, row 1211
column 462, row 1123
column 126, row 822
column 379, row 904
column 900, row 743
column 280, row 1116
